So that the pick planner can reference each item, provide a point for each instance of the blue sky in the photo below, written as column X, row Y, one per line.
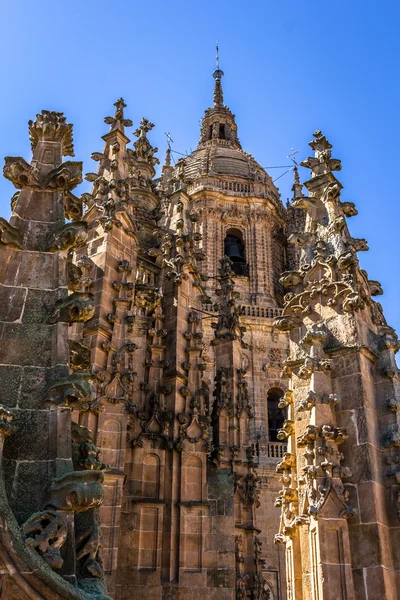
column 291, row 66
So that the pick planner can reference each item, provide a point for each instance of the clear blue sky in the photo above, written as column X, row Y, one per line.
column 291, row 66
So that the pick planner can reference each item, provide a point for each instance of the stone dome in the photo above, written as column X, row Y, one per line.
column 219, row 162
column 220, row 159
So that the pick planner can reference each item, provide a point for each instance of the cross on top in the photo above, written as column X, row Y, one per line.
column 145, row 127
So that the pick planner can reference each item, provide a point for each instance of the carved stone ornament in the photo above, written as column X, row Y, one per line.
column 248, row 490
column 9, row 234
column 6, row 417
column 79, row 356
column 85, row 454
column 154, row 423
column 70, row 237
column 88, row 551
column 78, row 307
column 77, row 491
column 53, row 127
column 72, row 206
column 46, row 532
column 21, row 174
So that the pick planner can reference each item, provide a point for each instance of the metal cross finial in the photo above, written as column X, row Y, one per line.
column 218, row 74
column 291, row 156
column 169, row 139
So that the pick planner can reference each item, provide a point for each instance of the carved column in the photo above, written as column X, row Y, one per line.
column 233, row 453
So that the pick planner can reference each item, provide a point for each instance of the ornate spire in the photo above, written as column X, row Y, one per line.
column 219, row 122
column 165, row 183
column 118, row 121
column 144, row 151
column 167, row 162
column 297, row 186
column 218, row 74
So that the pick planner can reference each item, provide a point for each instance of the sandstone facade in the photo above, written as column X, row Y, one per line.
column 171, row 414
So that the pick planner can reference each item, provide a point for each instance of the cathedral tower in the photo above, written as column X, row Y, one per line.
column 186, row 377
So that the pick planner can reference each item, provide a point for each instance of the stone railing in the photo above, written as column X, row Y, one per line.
column 227, row 186
column 248, row 310
column 238, row 188
column 262, row 312
column 268, row 454
column 274, row 449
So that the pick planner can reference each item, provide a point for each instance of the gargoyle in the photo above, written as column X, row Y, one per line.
column 78, row 307
column 20, row 173
column 69, row 237
column 71, row 391
column 349, row 209
column 358, row 244
column 65, row 177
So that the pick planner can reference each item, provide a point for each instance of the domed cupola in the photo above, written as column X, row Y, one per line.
column 235, row 205
column 219, row 162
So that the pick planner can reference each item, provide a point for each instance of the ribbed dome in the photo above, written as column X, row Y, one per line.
column 220, row 160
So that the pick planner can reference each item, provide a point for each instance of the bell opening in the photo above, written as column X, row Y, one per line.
column 234, row 248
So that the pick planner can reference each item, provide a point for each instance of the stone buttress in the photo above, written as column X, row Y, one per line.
column 339, row 496
column 49, row 493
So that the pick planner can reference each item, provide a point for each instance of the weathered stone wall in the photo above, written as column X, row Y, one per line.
column 51, row 491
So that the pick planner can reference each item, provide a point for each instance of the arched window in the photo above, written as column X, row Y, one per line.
column 234, row 248
column 276, row 416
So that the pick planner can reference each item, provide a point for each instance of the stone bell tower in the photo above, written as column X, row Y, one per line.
column 185, row 376
column 238, row 212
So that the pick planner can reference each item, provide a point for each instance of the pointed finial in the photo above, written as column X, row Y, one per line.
column 119, row 107
column 296, row 175
column 167, row 162
column 144, row 128
column 297, row 186
column 218, row 74
column 118, row 121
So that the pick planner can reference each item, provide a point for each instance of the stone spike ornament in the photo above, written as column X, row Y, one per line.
column 218, row 122
column 148, row 420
